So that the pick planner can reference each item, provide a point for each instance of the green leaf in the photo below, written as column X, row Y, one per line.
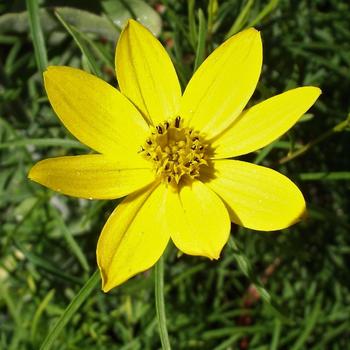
column 276, row 335
column 88, row 22
column 241, row 20
column 42, row 143
column 42, row 306
column 201, row 40
column 192, row 22
column 268, row 8
column 70, row 240
column 308, row 327
column 37, row 34
column 46, row 265
column 78, row 38
column 71, row 309
column 325, row 176
column 84, row 21
column 120, row 11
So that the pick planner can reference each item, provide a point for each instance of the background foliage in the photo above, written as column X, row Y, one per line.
column 281, row 290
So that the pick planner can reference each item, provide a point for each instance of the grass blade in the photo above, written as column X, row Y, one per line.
column 269, row 7
column 71, row 309
column 47, row 266
column 276, row 335
column 325, row 176
column 192, row 22
column 241, row 19
column 38, row 313
column 37, row 35
column 42, row 143
column 202, row 34
column 73, row 245
column 81, row 44
column 308, row 327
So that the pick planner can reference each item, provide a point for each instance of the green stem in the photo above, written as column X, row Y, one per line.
column 335, row 129
column 160, row 306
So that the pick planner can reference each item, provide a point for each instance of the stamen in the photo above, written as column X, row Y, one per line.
column 177, row 121
column 176, row 151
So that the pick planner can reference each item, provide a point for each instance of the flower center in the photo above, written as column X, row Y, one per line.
column 175, row 151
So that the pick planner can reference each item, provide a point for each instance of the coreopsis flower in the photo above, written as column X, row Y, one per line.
column 170, row 152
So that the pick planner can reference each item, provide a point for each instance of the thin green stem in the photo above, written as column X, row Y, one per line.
column 160, row 306
column 335, row 129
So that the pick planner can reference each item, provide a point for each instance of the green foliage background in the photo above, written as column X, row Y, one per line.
column 280, row 290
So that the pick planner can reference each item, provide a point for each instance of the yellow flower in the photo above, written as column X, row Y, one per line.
column 167, row 151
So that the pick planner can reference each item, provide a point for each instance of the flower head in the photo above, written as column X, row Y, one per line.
column 168, row 151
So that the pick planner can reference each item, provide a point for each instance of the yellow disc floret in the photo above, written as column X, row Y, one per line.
column 176, row 151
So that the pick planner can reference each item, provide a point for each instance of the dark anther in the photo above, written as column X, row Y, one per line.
column 195, row 138
column 201, row 148
column 187, row 164
column 156, row 158
column 159, row 129
column 193, row 172
column 149, row 141
column 196, row 159
column 168, row 179
column 148, row 154
column 166, row 125
column 177, row 121
column 193, row 147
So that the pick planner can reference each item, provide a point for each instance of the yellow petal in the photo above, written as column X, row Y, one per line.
column 265, row 122
column 92, row 176
column 95, row 112
column 146, row 74
column 134, row 237
column 197, row 220
column 223, row 84
column 257, row 197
